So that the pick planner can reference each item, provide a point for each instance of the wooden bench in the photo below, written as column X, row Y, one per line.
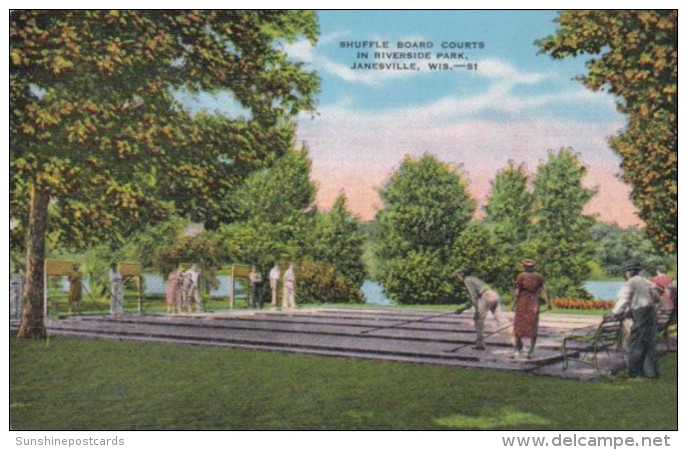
column 667, row 324
column 606, row 336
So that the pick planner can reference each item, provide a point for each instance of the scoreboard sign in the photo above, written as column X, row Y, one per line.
column 130, row 269
column 58, row 267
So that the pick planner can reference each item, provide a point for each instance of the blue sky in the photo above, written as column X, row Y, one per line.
column 517, row 105
column 509, row 45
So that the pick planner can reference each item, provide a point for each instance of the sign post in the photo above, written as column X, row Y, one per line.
column 54, row 268
column 239, row 271
column 134, row 270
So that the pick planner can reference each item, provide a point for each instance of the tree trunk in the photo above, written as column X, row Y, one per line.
column 32, row 320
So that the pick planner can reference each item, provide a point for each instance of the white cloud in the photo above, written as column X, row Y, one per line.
column 369, row 77
column 332, row 37
column 503, row 70
column 301, row 51
column 498, row 98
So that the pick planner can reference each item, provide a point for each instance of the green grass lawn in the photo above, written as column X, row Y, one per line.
column 76, row 384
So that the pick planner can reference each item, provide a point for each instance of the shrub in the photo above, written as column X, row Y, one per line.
column 421, row 279
column 426, row 208
column 319, row 282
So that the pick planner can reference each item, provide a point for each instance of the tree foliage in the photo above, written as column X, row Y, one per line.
column 419, row 278
column 278, row 193
column 338, row 241
column 320, row 282
column 638, row 63
column 613, row 246
column 561, row 232
column 509, row 216
column 275, row 212
column 204, row 249
column 426, row 207
column 487, row 258
column 279, row 223
column 202, row 183
column 98, row 140
column 94, row 120
column 509, row 206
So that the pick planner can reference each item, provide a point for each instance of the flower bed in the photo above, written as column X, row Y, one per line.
column 574, row 303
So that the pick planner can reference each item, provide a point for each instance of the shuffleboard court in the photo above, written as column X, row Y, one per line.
column 411, row 336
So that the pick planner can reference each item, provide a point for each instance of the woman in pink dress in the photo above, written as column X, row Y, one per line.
column 526, row 306
column 172, row 291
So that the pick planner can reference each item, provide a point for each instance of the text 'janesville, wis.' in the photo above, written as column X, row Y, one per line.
column 412, row 55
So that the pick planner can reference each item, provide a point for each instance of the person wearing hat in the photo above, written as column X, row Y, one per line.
column 484, row 299
column 255, row 279
column 75, row 290
column 639, row 297
column 662, row 281
column 173, row 294
column 528, row 285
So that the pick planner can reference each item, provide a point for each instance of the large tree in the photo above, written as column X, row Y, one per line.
column 338, row 241
column 97, row 133
column 561, row 232
column 509, row 206
column 275, row 210
column 426, row 207
column 203, row 182
column 487, row 258
column 638, row 64
column 509, row 215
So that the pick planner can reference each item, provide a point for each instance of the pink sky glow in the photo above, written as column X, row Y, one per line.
column 355, row 154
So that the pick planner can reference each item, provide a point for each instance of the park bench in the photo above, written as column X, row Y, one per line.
column 667, row 324
column 606, row 336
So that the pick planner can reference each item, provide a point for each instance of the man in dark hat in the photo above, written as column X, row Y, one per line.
column 639, row 297
column 484, row 299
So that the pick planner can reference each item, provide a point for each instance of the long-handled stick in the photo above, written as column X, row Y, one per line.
column 488, row 335
column 458, row 311
column 83, row 286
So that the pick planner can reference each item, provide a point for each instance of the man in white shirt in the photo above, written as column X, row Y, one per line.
column 275, row 275
column 116, row 291
column 484, row 299
column 255, row 280
column 193, row 285
column 290, row 288
column 639, row 297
